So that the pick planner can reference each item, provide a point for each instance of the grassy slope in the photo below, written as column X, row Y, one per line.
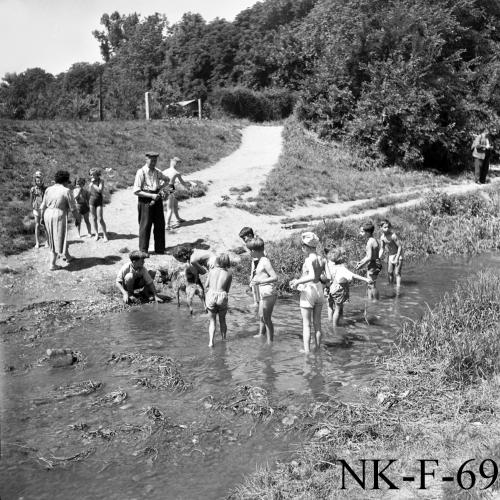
column 310, row 170
column 78, row 146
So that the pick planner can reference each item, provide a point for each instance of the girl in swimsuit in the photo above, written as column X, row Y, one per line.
column 311, row 291
column 217, row 285
column 96, row 189
column 36, row 196
column 264, row 278
column 82, row 198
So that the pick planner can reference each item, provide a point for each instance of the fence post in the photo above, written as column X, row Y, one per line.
column 199, row 109
column 146, row 97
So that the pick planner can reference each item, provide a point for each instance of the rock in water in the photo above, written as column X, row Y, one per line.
column 61, row 357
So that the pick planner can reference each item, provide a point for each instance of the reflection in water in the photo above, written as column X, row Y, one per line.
column 167, row 330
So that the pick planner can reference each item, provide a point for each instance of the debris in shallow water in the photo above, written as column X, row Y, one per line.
column 52, row 461
column 70, row 390
column 114, row 398
column 245, row 399
column 161, row 372
column 58, row 358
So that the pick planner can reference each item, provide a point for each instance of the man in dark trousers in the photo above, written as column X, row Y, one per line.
column 148, row 182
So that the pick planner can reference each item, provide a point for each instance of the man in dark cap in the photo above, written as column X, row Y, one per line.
column 148, row 182
column 134, row 276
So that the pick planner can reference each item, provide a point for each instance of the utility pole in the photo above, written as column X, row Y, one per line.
column 146, row 97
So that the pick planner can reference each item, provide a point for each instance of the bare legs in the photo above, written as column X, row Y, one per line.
column 266, row 326
column 37, row 231
column 78, row 224
column 172, row 209
column 311, row 317
column 97, row 217
column 212, row 315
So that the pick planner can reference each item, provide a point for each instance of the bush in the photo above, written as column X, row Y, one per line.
column 241, row 102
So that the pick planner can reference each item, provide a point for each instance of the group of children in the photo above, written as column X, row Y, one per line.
column 89, row 202
column 323, row 279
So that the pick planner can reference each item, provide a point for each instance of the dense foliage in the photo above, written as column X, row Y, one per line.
column 406, row 82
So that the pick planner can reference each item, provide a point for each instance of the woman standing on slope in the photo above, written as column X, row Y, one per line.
column 311, row 290
column 57, row 202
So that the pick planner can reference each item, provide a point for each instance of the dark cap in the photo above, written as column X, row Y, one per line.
column 137, row 254
column 152, row 154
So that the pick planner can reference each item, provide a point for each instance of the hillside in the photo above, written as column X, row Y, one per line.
column 27, row 146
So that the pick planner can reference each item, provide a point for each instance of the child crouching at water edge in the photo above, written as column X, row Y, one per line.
column 217, row 286
column 134, row 276
column 339, row 278
column 263, row 278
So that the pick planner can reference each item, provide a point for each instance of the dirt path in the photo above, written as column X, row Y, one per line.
column 207, row 224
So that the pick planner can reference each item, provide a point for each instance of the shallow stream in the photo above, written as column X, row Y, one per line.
column 113, row 451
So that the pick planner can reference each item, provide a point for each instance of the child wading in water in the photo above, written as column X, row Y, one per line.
column 264, row 278
column 371, row 259
column 340, row 278
column 246, row 234
column 96, row 189
column 390, row 242
column 81, row 196
column 36, row 196
column 311, row 291
column 218, row 284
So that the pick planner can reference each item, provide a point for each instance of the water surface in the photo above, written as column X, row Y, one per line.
column 211, row 452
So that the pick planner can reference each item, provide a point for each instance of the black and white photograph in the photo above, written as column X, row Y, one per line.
column 250, row 250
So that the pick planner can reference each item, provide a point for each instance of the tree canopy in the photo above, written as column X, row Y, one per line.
column 405, row 81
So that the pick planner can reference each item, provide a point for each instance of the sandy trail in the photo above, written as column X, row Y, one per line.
column 207, row 224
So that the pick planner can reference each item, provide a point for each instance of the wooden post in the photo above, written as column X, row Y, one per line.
column 199, row 109
column 146, row 97
column 100, row 98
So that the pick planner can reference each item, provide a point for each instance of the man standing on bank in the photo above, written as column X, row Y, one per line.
column 148, row 182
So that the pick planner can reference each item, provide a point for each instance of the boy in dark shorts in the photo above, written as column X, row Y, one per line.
column 390, row 242
column 247, row 234
column 371, row 260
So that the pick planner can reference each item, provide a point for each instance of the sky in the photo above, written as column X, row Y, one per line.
column 54, row 34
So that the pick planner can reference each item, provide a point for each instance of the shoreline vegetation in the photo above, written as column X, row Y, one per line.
column 438, row 400
column 115, row 147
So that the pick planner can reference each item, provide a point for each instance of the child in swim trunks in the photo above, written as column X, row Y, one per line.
column 96, row 190
column 371, row 260
column 246, row 234
column 311, row 291
column 82, row 196
column 218, row 284
column 36, row 197
column 263, row 278
column 339, row 278
column 390, row 242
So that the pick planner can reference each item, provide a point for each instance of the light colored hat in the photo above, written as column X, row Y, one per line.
column 38, row 174
column 152, row 154
column 310, row 239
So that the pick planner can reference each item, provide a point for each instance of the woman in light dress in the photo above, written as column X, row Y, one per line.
column 57, row 202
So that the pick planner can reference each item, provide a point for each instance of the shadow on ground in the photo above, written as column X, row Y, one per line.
column 87, row 262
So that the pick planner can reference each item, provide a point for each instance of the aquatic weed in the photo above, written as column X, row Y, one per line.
column 161, row 372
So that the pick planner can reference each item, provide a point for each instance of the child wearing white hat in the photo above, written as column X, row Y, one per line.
column 311, row 290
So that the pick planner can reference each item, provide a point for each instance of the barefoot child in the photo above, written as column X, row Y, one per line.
column 81, row 196
column 133, row 276
column 340, row 278
column 36, row 196
column 264, row 278
column 392, row 243
column 246, row 234
column 311, row 291
column 371, row 259
column 218, row 284
column 96, row 190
